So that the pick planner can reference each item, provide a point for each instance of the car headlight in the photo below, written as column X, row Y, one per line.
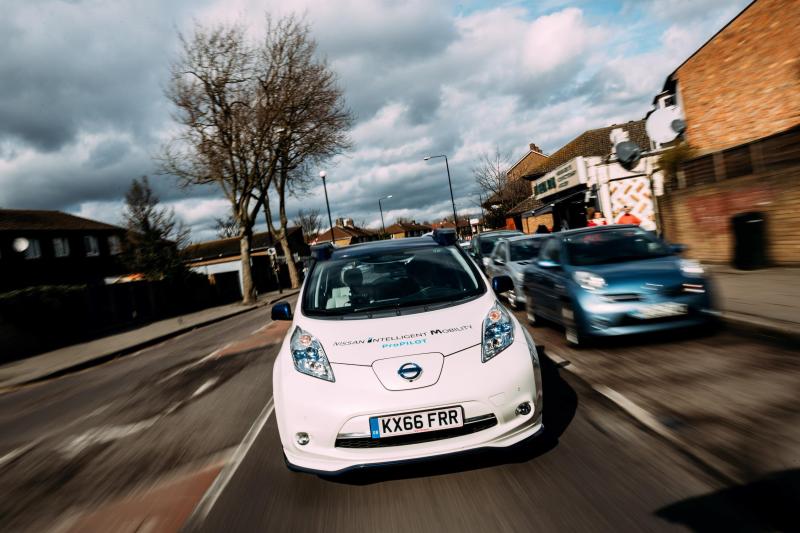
column 691, row 267
column 309, row 355
column 589, row 281
column 498, row 332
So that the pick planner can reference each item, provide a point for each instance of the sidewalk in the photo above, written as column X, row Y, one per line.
column 767, row 300
column 79, row 356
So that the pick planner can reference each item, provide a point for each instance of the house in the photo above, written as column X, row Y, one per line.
column 402, row 230
column 39, row 247
column 346, row 233
column 499, row 205
column 734, row 196
column 582, row 177
column 220, row 260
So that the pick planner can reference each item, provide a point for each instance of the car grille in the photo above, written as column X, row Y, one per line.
column 471, row 425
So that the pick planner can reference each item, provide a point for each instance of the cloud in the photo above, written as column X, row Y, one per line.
column 82, row 109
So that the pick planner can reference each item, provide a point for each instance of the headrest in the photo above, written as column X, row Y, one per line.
column 352, row 277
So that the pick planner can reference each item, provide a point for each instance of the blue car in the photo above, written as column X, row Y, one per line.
column 615, row 280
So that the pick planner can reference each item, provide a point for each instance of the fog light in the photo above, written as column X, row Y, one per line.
column 523, row 408
column 302, row 438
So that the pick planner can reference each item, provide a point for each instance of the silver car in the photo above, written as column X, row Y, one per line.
column 510, row 257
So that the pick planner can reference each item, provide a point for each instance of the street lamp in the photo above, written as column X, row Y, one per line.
column 322, row 175
column 381, row 209
column 450, row 183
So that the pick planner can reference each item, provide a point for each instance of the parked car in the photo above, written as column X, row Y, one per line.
column 483, row 244
column 615, row 280
column 511, row 256
column 395, row 350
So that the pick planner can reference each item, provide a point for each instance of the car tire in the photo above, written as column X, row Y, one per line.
column 572, row 333
column 530, row 311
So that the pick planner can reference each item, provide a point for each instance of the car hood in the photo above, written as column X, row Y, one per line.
column 661, row 270
column 362, row 342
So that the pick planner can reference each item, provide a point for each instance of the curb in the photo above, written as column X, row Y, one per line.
column 707, row 462
column 772, row 329
column 127, row 350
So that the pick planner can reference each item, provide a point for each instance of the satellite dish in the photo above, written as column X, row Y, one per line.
column 21, row 244
column 628, row 154
column 664, row 124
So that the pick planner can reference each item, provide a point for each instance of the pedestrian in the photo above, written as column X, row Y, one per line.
column 597, row 220
column 628, row 218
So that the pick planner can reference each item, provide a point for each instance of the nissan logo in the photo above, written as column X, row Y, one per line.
column 410, row 371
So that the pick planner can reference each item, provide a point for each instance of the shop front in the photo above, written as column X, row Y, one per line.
column 566, row 194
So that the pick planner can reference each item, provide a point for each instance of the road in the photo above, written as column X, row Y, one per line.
column 135, row 444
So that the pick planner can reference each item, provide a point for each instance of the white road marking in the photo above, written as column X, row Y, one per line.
column 204, row 387
column 212, row 494
column 17, row 452
column 262, row 328
column 104, row 434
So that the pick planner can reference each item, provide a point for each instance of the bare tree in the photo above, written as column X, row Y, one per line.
column 310, row 221
column 497, row 189
column 224, row 132
column 309, row 115
column 227, row 227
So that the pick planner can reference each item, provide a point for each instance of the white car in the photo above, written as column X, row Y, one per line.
column 400, row 350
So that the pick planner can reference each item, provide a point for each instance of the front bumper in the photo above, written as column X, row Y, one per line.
column 601, row 318
column 338, row 411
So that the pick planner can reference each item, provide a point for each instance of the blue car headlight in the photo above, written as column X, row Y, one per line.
column 498, row 332
column 309, row 356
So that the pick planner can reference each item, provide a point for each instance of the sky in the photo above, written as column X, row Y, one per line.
column 83, row 111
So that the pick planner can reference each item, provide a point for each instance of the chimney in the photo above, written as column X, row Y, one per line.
column 534, row 148
column 340, row 222
column 348, row 222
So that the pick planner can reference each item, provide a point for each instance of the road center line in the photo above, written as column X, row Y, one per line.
column 212, row 494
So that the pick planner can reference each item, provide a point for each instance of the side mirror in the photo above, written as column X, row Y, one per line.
column 677, row 249
column 281, row 311
column 501, row 284
column 546, row 263
column 498, row 261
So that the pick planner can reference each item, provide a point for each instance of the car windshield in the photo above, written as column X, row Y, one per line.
column 390, row 280
column 615, row 246
column 525, row 250
column 487, row 243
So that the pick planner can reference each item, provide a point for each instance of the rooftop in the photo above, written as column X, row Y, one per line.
column 230, row 246
column 592, row 143
column 42, row 220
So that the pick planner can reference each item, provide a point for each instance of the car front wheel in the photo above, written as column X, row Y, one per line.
column 530, row 311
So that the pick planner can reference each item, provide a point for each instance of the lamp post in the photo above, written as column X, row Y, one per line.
column 450, row 183
column 381, row 209
column 322, row 175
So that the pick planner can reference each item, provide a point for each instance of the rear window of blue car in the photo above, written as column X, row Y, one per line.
column 613, row 246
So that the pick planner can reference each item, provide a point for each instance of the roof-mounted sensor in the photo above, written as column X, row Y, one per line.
column 445, row 237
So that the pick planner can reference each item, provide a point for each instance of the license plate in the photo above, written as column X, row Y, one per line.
column 416, row 422
column 661, row 310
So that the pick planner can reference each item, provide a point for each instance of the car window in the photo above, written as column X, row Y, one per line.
column 390, row 280
column 614, row 246
column 525, row 250
column 551, row 251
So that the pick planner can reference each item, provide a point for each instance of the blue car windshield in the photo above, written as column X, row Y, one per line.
column 613, row 246
column 390, row 280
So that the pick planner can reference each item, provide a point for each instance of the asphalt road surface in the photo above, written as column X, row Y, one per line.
column 77, row 447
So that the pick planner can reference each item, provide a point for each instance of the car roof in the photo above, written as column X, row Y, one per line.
column 595, row 229
column 526, row 237
column 498, row 232
column 389, row 245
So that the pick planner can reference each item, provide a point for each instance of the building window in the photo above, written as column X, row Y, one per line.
column 34, row 250
column 90, row 245
column 61, row 247
column 114, row 245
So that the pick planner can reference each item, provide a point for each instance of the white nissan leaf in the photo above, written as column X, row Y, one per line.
column 400, row 350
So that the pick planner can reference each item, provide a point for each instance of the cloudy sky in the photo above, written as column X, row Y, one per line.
column 82, row 109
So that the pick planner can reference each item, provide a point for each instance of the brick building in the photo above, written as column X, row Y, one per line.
column 403, row 230
column 736, row 198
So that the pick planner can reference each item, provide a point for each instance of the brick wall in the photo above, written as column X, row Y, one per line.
column 745, row 83
column 700, row 216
